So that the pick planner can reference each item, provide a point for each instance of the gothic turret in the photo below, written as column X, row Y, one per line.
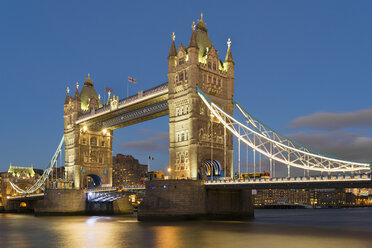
column 229, row 57
column 77, row 95
column 173, row 50
column 193, row 42
column 172, row 57
column 67, row 100
column 229, row 61
column 193, row 50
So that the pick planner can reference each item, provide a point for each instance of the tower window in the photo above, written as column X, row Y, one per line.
column 102, row 143
column 84, row 141
column 181, row 61
column 214, row 66
column 180, row 76
column 209, row 65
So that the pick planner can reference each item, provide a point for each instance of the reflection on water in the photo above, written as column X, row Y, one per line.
column 271, row 228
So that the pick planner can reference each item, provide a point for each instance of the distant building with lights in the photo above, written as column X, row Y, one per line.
column 312, row 197
column 127, row 170
column 156, row 175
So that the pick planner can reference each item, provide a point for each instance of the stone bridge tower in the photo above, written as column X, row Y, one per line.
column 196, row 137
column 88, row 149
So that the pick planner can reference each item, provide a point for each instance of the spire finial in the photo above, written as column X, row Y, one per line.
column 88, row 75
column 193, row 26
column 68, row 90
column 201, row 17
column 228, row 43
column 77, row 85
column 99, row 96
column 173, row 36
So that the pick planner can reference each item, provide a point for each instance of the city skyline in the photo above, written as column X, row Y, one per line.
column 297, row 77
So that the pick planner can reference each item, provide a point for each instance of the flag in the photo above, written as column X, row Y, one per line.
column 132, row 80
column 108, row 89
column 151, row 158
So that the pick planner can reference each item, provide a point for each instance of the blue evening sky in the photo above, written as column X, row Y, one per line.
column 293, row 58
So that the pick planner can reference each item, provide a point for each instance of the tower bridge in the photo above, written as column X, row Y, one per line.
column 199, row 99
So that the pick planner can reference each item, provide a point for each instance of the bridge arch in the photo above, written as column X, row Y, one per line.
column 210, row 168
column 93, row 181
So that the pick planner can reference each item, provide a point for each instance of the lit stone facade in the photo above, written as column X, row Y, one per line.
column 88, row 150
column 190, row 123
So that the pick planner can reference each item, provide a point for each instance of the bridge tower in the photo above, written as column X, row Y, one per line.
column 195, row 136
column 88, row 149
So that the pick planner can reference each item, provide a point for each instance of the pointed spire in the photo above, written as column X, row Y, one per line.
column 67, row 100
column 193, row 42
column 201, row 24
column 229, row 57
column 172, row 51
column 77, row 95
column 88, row 81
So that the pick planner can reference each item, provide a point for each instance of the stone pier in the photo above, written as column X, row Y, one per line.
column 189, row 199
column 61, row 202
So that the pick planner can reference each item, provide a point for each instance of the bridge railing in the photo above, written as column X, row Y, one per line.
column 356, row 177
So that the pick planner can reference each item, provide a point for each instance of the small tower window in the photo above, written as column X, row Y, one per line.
column 185, row 75
column 214, row 66
column 181, row 61
column 209, row 65
column 102, row 143
column 180, row 76
column 93, row 141
column 84, row 141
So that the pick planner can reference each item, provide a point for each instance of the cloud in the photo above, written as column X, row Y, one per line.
column 334, row 121
column 154, row 141
column 339, row 143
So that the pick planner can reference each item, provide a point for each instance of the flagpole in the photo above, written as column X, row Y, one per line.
column 127, row 89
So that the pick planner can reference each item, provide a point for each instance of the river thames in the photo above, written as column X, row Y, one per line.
column 270, row 228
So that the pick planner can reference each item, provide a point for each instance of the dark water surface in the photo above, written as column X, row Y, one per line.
column 270, row 228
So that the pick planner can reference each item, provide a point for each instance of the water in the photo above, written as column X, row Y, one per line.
column 271, row 228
